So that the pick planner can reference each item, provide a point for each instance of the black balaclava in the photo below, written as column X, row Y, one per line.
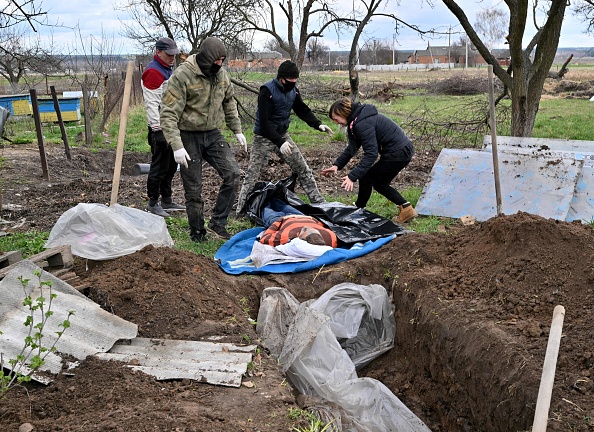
column 212, row 48
column 288, row 69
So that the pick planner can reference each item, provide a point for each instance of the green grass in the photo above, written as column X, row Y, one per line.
column 179, row 229
column 29, row 243
column 21, row 130
column 136, row 130
column 565, row 119
column 307, row 137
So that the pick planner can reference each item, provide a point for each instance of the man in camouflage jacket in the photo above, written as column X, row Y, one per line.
column 199, row 98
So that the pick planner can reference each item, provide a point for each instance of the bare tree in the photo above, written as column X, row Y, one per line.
column 316, row 51
column 273, row 45
column 23, row 57
column 492, row 25
column 296, row 24
column 524, row 79
column 96, row 66
column 188, row 20
column 15, row 12
column 361, row 17
column 584, row 9
column 375, row 51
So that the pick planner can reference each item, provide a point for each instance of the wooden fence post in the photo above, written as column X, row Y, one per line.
column 61, row 122
column 40, row 143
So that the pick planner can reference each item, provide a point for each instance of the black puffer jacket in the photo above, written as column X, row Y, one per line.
column 377, row 134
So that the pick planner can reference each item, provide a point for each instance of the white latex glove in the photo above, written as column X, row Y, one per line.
column 326, row 129
column 181, row 156
column 287, row 148
column 241, row 138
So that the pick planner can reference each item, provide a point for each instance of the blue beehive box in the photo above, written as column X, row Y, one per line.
column 17, row 104
column 69, row 107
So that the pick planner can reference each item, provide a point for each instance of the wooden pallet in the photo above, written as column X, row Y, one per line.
column 54, row 260
column 10, row 258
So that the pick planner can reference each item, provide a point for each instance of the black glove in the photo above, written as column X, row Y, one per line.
column 159, row 138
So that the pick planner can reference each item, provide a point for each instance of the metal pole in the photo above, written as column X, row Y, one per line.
column 394, row 49
column 466, row 55
column 494, row 142
column 449, row 44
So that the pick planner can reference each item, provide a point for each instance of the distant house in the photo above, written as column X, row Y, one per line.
column 265, row 55
column 456, row 55
column 503, row 56
column 436, row 54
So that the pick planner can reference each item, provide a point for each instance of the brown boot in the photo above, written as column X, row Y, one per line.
column 406, row 214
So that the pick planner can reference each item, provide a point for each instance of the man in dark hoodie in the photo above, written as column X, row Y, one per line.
column 275, row 101
column 198, row 100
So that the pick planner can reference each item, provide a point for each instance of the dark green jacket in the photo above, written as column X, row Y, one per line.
column 193, row 103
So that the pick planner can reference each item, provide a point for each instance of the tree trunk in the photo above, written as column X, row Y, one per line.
column 354, row 82
column 530, row 65
column 523, row 116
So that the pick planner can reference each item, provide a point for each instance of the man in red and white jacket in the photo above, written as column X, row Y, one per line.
column 163, row 165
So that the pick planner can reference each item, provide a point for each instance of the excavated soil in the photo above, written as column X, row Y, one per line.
column 473, row 307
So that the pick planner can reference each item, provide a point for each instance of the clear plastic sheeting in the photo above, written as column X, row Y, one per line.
column 361, row 318
column 277, row 309
column 99, row 232
column 316, row 363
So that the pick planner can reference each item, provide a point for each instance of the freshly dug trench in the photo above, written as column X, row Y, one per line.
column 473, row 312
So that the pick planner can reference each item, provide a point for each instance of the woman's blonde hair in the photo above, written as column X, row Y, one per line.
column 341, row 107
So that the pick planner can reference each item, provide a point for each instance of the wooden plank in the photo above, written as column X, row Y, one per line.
column 60, row 256
column 10, row 257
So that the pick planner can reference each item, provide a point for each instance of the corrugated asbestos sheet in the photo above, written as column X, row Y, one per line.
column 582, row 203
column 213, row 363
column 462, row 183
column 92, row 329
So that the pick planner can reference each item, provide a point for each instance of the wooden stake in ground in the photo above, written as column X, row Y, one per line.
column 40, row 143
column 541, row 412
column 494, row 142
column 122, row 134
column 61, row 122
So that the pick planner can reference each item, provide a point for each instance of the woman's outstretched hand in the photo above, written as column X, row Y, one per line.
column 329, row 171
column 347, row 184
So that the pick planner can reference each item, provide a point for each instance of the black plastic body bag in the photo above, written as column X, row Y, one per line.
column 350, row 224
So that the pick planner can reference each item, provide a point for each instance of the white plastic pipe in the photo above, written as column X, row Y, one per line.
column 547, row 379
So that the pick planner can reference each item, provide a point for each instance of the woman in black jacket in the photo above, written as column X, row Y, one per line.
column 377, row 135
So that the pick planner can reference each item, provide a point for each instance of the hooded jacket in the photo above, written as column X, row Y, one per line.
column 377, row 135
column 197, row 102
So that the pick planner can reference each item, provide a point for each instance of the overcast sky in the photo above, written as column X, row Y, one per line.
column 99, row 17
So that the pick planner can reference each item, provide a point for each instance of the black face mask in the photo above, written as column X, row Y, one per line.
column 214, row 68
column 288, row 85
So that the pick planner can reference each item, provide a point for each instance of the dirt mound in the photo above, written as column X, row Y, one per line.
column 473, row 309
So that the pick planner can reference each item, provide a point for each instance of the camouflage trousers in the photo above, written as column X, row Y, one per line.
column 261, row 149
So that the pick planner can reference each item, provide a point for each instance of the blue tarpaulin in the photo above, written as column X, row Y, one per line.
column 240, row 245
